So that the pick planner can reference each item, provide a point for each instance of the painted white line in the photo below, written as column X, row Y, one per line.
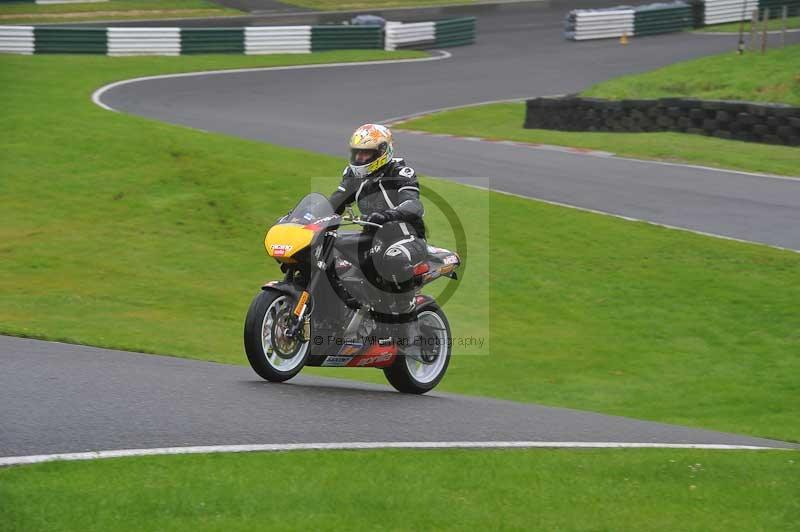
column 620, row 216
column 98, row 94
column 598, row 153
column 274, row 447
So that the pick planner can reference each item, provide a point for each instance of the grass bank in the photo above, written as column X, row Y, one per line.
column 24, row 13
column 771, row 78
column 125, row 232
column 774, row 77
column 658, row 490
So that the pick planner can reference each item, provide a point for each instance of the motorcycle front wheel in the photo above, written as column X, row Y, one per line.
column 271, row 354
column 408, row 375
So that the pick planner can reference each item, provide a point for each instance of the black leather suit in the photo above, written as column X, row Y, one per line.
column 396, row 248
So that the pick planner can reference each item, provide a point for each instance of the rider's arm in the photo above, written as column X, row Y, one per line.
column 344, row 194
column 409, row 207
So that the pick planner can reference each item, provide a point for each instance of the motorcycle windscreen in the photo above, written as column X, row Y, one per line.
column 313, row 208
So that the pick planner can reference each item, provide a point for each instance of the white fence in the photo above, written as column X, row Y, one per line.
column 719, row 11
column 17, row 40
column 599, row 24
column 144, row 41
column 399, row 34
column 277, row 40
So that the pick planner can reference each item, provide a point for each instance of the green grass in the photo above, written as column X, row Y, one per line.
column 654, row 490
column 19, row 13
column 344, row 5
column 504, row 121
column 774, row 77
column 774, row 24
column 125, row 232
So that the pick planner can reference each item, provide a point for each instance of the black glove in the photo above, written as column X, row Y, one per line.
column 382, row 217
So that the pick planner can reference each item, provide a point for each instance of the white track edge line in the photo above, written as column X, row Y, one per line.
column 621, row 216
column 98, row 94
column 275, row 447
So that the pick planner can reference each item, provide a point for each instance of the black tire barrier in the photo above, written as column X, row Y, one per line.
column 747, row 121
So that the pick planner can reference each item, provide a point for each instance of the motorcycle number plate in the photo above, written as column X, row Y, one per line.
column 337, row 360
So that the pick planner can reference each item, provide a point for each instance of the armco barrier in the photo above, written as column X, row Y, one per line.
column 345, row 37
column 248, row 40
column 70, row 41
column 144, row 41
column 205, row 41
column 582, row 24
column 277, row 40
column 400, row 35
column 746, row 121
column 776, row 7
column 652, row 19
column 443, row 33
column 720, row 11
column 17, row 40
column 455, row 32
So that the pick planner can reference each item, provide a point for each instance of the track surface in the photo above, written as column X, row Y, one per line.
column 65, row 398
column 521, row 54
column 60, row 398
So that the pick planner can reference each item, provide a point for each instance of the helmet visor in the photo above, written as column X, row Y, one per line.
column 361, row 157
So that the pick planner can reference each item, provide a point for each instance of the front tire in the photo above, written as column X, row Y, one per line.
column 407, row 375
column 266, row 312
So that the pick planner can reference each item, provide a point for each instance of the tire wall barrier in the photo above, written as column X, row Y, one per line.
column 652, row 19
column 248, row 40
column 746, row 121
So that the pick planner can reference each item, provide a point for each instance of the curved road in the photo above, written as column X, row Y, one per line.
column 521, row 53
column 60, row 398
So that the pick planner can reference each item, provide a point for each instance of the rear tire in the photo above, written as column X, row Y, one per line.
column 407, row 375
column 267, row 307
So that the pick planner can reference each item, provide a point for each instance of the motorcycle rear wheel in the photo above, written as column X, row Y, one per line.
column 260, row 336
column 407, row 375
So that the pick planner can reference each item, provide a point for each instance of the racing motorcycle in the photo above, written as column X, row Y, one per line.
column 327, row 310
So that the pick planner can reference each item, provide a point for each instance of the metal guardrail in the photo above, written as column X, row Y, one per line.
column 721, row 11
column 652, row 19
column 443, row 33
column 248, row 40
column 583, row 24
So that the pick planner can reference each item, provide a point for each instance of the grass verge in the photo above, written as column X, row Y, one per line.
column 771, row 78
column 774, row 24
column 124, row 232
column 656, row 490
column 22, row 13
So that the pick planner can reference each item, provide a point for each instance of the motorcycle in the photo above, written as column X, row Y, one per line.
column 327, row 311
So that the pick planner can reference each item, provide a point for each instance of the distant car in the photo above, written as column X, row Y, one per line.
column 368, row 20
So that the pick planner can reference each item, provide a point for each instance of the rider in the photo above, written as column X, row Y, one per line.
column 387, row 193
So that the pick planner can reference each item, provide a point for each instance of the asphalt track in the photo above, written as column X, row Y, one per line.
column 59, row 398
column 521, row 53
